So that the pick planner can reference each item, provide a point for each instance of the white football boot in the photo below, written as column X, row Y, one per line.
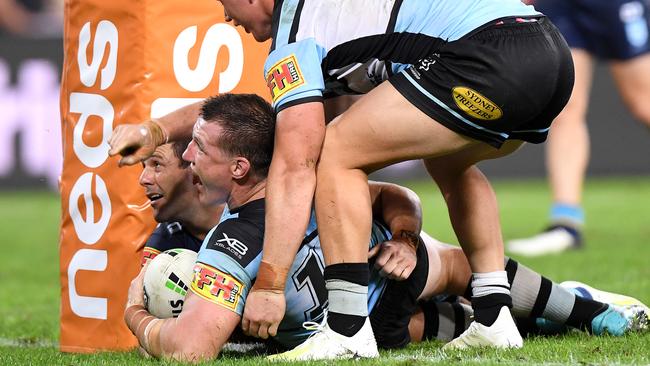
column 326, row 344
column 556, row 240
column 588, row 292
column 502, row 334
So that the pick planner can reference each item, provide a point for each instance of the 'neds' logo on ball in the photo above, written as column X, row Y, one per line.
column 475, row 104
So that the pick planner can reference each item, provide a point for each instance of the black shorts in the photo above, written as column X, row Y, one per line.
column 390, row 317
column 506, row 80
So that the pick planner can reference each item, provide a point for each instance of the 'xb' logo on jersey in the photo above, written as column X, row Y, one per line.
column 283, row 77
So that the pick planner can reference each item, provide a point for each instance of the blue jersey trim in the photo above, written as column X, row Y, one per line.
column 540, row 130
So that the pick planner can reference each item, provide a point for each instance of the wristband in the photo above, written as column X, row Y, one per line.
column 271, row 277
column 158, row 135
column 147, row 331
column 132, row 312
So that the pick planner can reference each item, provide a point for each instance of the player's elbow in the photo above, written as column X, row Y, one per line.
column 299, row 167
column 195, row 351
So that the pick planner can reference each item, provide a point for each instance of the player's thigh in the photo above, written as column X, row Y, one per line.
column 633, row 80
column 451, row 165
column 436, row 283
column 579, row 100
column 382, row 128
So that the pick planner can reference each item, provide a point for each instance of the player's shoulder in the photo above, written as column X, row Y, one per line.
column 239, row 236
column 170, row 235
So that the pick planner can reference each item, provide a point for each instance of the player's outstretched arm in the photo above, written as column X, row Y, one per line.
column 401, row 210
column 290, row 186
column 136, row 142
column 199, row 332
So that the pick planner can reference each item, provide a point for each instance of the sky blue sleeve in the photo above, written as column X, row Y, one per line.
column 293, row 73
column 225, row 267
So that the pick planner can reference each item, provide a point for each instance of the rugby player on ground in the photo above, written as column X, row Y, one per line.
column 230, row 154
column 169, row 184
column 454, row 82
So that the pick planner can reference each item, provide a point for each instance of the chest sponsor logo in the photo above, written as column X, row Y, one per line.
column 216, row 286
column 148, row 254
column 235, row 245
column 283, row 77
column 475, row 104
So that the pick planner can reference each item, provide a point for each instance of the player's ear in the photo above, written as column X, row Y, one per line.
column 240, row 167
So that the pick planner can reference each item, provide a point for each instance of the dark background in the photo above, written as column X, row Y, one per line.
column 620, row 144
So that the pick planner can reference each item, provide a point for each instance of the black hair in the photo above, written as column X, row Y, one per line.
column 178, row 147
column 248, row 127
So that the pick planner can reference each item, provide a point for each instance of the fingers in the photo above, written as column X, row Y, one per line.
column 389, row 269
column 384, row 256
column 117, row 141
column 253, row 329
column 130, row 142
column 273, row 329
column 130, row 160
column 263, row 331
column 373, row 251
column 259, row 330
column 394, row 263
column 245, row 324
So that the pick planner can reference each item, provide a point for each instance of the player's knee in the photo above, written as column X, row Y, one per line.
column 641, row 110
column 331, row 153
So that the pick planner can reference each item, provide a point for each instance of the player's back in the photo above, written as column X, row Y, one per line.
column 230, row 257
column 333, row 22
column 336, row 47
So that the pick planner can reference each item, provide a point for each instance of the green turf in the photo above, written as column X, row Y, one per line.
column 616, row 258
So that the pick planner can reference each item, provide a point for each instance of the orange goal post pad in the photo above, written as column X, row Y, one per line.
column 127, row 61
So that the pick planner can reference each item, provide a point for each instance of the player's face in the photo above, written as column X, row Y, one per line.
column 167, row 184
column 211, row 166
column 250, row 15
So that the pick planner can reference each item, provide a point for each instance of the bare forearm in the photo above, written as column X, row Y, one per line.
column 178, row 124
column 168, row 338
column 291, row 182
column 289, row 196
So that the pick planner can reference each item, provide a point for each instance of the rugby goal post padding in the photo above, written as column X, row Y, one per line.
column 126, row 61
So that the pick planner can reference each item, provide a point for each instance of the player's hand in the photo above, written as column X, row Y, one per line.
column 136, row 142
column 136, row 289
column 263, row 312
column 396, row 259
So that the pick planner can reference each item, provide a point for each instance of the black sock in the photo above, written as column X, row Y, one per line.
column 487, row 308
column 347, row 289
column 490, row 293
column 444, row 321
column 583, row 313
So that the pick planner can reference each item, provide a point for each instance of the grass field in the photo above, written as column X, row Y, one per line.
column 616, row 258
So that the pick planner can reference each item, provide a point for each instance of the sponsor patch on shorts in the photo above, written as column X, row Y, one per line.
column 475, row 105
column 283, row 77
column 149, row 253
column 216, row 286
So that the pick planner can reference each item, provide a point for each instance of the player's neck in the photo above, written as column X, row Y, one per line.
column 203, row 220
column 245, row 193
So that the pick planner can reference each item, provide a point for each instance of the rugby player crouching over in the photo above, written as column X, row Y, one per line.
column 230, row 153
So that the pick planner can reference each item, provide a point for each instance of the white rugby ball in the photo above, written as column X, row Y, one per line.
column 167, row 280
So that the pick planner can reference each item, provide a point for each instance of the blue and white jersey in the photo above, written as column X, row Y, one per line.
column 325, row 48
column 230, row 256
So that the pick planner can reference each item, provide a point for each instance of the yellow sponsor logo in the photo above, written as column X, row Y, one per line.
column 283, row 77
column 216, row 286
column 475, row 104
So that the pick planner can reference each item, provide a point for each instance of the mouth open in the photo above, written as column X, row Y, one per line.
column 154, row 196
column 196, row 180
